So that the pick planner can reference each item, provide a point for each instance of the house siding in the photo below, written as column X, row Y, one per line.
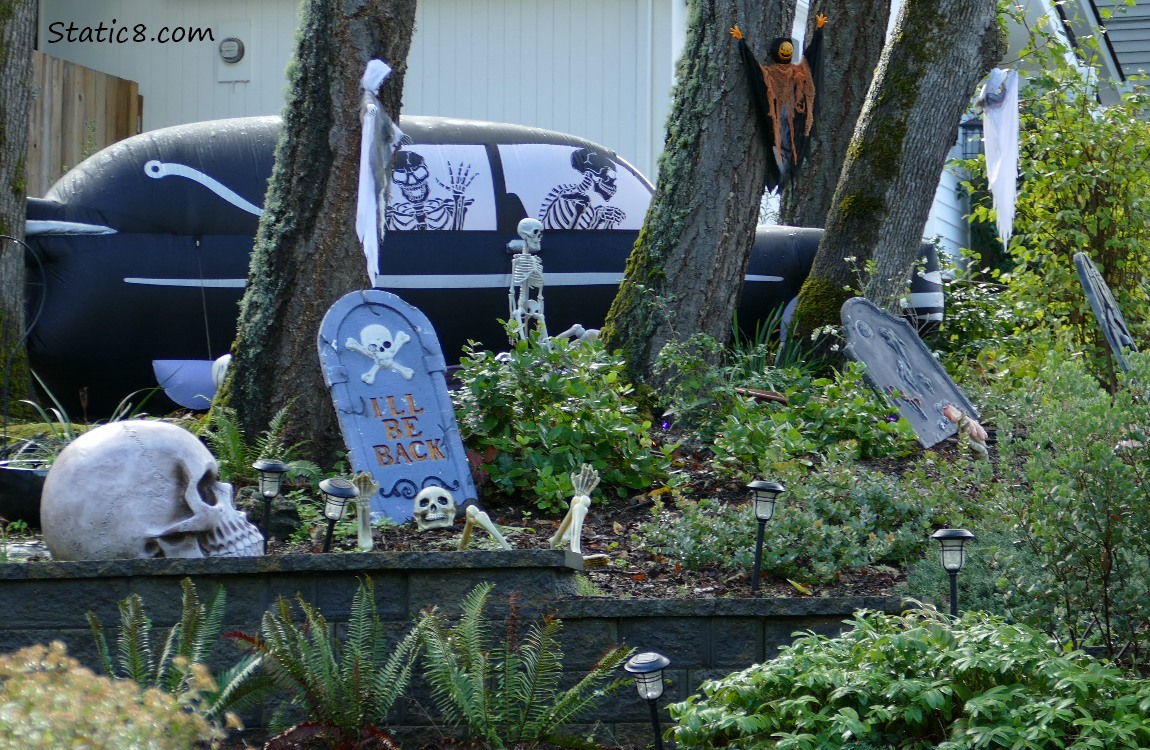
column 600, row 69
column 1129, row 32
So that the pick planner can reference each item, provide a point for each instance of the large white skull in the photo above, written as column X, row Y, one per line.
column 531, row 231
column 434, row 509
column 141, row 489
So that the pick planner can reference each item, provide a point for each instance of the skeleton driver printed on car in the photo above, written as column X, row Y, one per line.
column 418, row 210
column 570, row 206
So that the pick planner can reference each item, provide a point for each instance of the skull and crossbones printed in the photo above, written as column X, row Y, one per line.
column 418, row 210
column 570, row 531
column 434, row 508
column 527, row 275
column 569, row 206
column 377, row 344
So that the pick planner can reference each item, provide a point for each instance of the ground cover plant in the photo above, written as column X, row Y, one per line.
column 919, row 681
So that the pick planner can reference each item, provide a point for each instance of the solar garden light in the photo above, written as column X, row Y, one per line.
column 337, row 492
column 764, row 495
column 648, row 670
column 271, row 477
column 952, row 542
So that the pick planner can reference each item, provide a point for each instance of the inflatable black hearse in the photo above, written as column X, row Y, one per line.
column 140, row 253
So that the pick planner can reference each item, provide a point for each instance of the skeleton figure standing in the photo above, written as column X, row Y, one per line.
column 527, row 274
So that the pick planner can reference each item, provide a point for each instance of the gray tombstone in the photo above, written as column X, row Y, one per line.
column 1105, row 308
column 383, row 364
column 901, row 368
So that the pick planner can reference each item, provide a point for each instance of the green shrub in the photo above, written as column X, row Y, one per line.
column 701, row 376
column 49, row 701
column 544, row 412
column 839, row 518
column 507, row 695
column 920, row 681
column 992, row 559
column 820, row 413
column 1078, row 490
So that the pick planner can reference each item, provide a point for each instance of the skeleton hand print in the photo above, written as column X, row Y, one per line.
column 377, row 344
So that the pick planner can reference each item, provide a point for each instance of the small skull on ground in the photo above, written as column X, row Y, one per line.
column 434, row 509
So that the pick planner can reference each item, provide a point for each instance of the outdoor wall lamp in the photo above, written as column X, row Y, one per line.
column 648, row 670
column 337, row 492
column 970, row 131
column 764, row 495
column 952, row 543
column 271, row 477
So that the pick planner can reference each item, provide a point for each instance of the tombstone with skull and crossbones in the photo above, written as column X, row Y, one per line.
column 527, row 280
column 377, row 344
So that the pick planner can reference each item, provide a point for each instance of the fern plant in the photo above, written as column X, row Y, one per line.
column 186, row 648
column 236, row 455
column 346, row 688
column 508, row 696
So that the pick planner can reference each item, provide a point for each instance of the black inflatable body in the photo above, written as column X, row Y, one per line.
column 141, row 252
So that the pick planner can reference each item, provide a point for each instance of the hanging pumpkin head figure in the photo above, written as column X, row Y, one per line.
column 784, row 93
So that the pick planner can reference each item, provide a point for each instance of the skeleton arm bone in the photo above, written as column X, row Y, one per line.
column 477, row 517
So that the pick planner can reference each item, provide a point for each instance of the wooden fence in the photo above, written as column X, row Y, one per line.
column 76, row 111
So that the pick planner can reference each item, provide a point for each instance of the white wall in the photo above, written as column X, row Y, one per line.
column 594, row 68
column 600, row 69
column 179, row 80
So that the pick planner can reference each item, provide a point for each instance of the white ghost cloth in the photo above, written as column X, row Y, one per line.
column 379, row 137
column 999, row 101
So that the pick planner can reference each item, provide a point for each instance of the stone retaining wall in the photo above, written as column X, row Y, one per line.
column 704, row 638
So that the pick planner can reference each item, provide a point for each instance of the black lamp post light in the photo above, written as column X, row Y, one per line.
column 647, row 668
column 337, row 493
column 271, row 477
column 952, row 543
column 764, row 495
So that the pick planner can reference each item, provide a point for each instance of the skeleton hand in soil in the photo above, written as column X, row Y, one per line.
column 476, row 517
column 571, row 529
column 972, row 429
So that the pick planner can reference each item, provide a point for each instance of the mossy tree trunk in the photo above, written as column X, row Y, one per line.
column 686, row 270
column 17, row 32
column 307, row 254
column 851, row 51
column 937, row 53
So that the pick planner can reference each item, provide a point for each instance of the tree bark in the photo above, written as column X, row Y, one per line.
column 17, row 32
column 851, row 52
column 936, row 55
column 307, row 254
column 686, row 270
